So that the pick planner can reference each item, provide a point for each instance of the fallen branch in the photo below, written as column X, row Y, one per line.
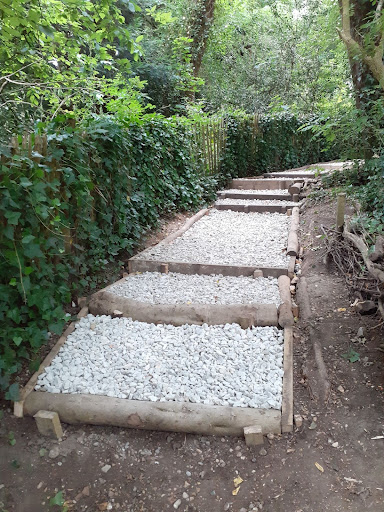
column 359, row 244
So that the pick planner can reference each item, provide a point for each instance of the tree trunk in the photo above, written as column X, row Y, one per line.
column 366, row 64
column 202, row 19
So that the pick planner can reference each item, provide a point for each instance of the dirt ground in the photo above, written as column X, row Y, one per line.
column 331, row 463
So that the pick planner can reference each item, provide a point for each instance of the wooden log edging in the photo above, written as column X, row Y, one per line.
column 286, row 318
column 167, row 240
column 293, row 239
column 163, row 416
column 257, row 208
column 260, row 184
column 18, row 407
column 253, row 195
column 287, row 401
column 142, row 265
column 106, row 303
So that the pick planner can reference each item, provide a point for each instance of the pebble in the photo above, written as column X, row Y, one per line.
column 216, row 365
column 54, row 452
column 229, row 238
column 174, row 288
column 106, row 468
column 263, row 452
column 177, row 504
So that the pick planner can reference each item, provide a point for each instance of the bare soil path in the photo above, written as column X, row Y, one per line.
column 331, row 463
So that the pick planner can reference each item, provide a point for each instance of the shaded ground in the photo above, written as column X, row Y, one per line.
column 155, row 471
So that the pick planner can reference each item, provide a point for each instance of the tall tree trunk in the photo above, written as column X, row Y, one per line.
column 366, row 62
column 198, row 30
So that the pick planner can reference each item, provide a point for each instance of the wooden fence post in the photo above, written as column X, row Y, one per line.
column 341, row 198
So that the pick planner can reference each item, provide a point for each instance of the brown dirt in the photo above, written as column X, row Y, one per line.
column 150, row 471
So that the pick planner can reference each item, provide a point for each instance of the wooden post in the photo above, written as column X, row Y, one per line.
column 48, row 424
column 253, row 435
column 341, row 198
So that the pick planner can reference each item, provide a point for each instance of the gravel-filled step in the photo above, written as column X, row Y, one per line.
column 260, row 202
column 216, row 365
column 174, row 288
column 255, row 191
column 229, row 238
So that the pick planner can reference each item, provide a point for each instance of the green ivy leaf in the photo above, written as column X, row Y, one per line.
column 17, row 340
column 13, row 393
column 33, row 251
column 13, row 217
column 27, row 239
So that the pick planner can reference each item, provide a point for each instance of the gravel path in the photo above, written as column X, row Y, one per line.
column 172, row 288
column 253, row 191
column 261, row 202
column 217, row 365
column 232, row 238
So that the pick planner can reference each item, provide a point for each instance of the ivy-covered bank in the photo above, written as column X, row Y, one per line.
column 69, row 209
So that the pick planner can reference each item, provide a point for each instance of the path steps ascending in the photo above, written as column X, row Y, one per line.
column 167, row 369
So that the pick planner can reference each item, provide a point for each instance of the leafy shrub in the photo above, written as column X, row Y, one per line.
column 273, row 143
column 68, row 214
column 365, row 180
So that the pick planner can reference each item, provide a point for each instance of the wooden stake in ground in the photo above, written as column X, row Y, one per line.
column 340, row 211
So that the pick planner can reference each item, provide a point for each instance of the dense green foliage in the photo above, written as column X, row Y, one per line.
column 274, row 143
column 365, row 181
column 63, row 226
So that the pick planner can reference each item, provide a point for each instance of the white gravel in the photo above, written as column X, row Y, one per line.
column 260, row 202
column 232, row 238
column 217, row 365
column 253, row 191
column 173, row 288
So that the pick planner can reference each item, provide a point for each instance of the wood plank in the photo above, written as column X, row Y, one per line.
column 141, row 265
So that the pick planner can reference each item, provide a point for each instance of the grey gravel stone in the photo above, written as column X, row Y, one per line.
column 173, row 288
column 106, row 468
column 229, row 238
column 216, row 365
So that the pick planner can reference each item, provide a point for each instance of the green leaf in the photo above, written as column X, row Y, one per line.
column 27, row 239
column 17, row 340
column 13, row 217
column 57, row 499
column 47, row 30
column 33, row 251
column 13, row 393
column 24, row 182
column 15, row 464
column 352, row 356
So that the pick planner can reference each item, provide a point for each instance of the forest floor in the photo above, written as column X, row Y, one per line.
column 330, row 463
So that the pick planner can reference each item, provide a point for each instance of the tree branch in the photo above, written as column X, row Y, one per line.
column 379, row 8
